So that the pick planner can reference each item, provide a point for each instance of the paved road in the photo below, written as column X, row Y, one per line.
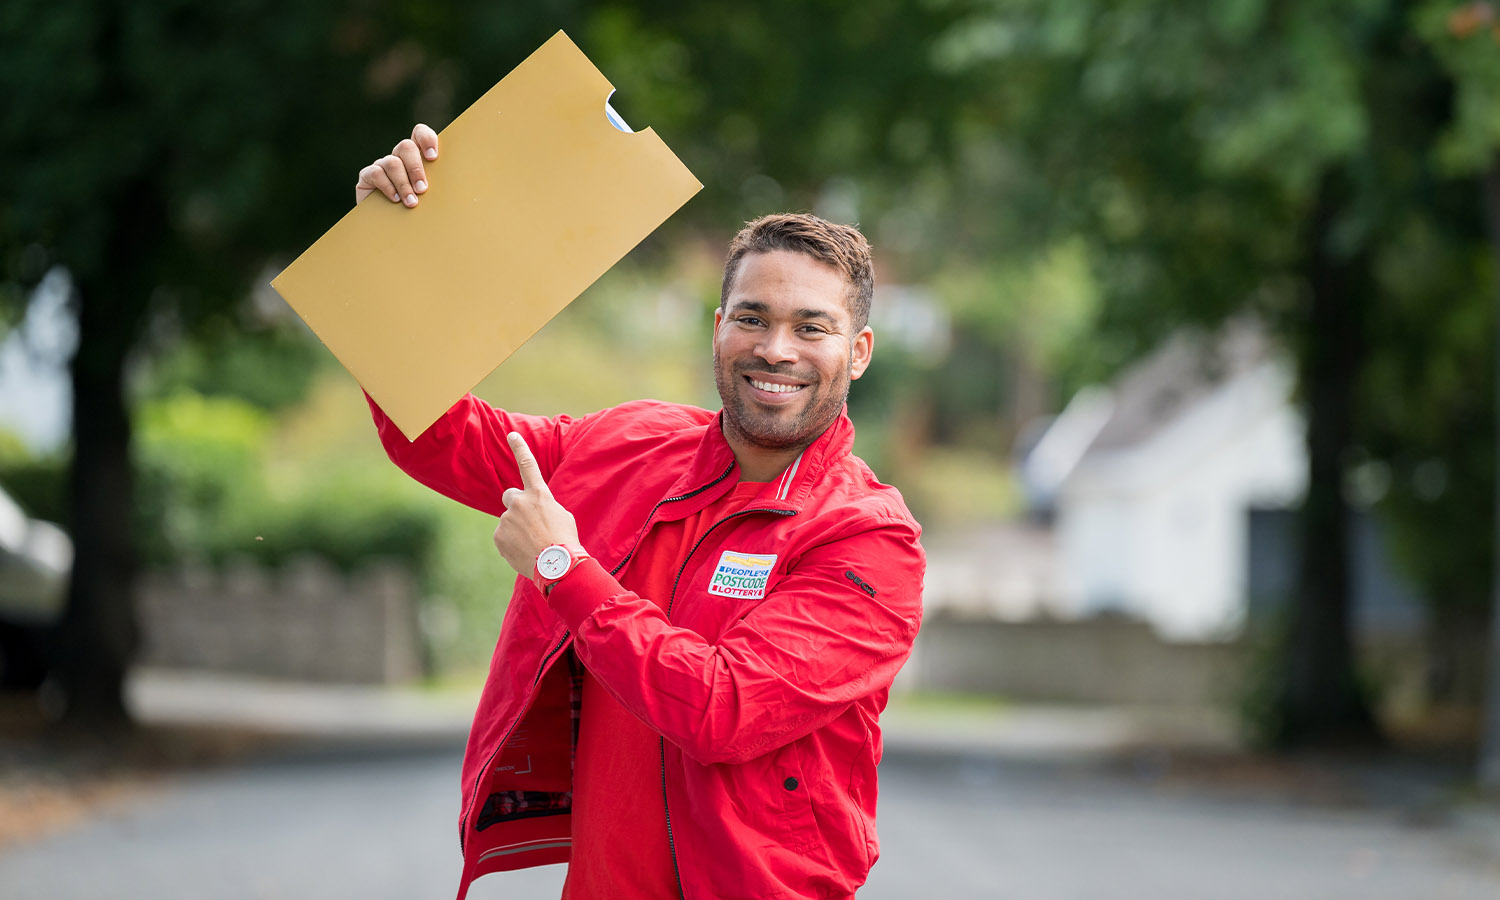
column 1019, row 830
column 368, row 824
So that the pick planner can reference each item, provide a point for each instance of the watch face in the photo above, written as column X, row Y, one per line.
column 553, row 562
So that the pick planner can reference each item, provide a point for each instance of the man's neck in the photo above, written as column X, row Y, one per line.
column 764, row 465
column 760, row 463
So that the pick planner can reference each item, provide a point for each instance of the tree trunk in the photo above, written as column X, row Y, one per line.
column 1320, row 702
column 97, row 637
column 1489, row 745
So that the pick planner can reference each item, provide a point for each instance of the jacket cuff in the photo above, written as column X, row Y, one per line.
column 582, row 591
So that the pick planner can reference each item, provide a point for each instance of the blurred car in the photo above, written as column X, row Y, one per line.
column 35, row 558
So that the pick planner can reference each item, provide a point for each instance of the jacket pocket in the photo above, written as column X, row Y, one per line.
column 793, row 803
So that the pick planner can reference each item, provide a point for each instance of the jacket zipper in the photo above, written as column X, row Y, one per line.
column 662, row 741
column 463, row 824
column 647, row 527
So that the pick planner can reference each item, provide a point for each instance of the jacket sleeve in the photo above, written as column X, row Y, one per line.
column 464, row 454
column 815, row 644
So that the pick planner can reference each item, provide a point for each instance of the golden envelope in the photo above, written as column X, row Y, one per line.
column 535, row 195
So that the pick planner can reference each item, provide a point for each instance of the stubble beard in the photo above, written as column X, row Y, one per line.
column 778, row 430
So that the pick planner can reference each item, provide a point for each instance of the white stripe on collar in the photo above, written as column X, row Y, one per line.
column 786, row 477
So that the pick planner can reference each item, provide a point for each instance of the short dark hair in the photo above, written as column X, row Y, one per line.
column 840, row 246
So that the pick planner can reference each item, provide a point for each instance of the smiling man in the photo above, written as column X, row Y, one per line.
column 684, row 697
column 792, row 330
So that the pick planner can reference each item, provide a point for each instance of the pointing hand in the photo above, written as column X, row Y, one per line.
column 533, row 519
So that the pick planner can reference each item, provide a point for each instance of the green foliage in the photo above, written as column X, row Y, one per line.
column 1257, row 698
column 38, row 484
column 769, row 103
column 213, row 490
column 206, row 495
column 198, row 462
column 12, row 447
column 1430, row 409
column 467, row 584
column 1180, row 144
column 348, row 514
column 157, row 117
column 269, row 368
column 1466, row 48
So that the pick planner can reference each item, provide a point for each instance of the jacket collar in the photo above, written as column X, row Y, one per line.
column 713, row 471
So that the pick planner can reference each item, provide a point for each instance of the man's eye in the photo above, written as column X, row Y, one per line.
column 752, row 321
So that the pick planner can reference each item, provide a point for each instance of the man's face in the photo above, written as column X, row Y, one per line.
column 785, row 350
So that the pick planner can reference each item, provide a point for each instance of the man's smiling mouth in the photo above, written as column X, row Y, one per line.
column 772, row 388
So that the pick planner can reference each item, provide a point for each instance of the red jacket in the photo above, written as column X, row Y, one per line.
column 767, row 701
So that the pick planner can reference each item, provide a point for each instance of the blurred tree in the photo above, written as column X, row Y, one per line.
column 166, row 150
column 1464, row 36
column 1276, row 158
column 788, row 104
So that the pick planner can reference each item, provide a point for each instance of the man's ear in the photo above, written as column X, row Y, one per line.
column 860, row 352
column 718, row 320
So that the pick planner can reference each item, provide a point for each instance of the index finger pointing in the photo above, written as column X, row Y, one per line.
column 531, row 472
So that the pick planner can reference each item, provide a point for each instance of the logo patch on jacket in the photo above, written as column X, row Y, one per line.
column 860, row 583
column 742, row 575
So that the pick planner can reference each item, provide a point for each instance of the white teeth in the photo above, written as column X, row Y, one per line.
column 776, row 388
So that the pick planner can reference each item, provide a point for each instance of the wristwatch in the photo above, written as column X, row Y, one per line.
column 556, row 561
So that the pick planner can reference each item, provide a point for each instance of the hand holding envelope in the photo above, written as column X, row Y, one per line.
column 543, row 190
column 400, row 176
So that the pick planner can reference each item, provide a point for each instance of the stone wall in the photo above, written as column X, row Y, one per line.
column 306, row 621
column 1103, row 660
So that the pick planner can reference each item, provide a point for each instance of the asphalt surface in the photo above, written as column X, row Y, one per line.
column 982, row 827
column 365, row 819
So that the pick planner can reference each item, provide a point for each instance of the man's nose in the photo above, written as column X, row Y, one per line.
column 777, row 345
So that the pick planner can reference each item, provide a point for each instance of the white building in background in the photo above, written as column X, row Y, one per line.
column 1150, row 481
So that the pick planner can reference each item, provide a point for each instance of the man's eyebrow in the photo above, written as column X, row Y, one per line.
column 818, row 314
column 757, row 306
column 754, row 306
